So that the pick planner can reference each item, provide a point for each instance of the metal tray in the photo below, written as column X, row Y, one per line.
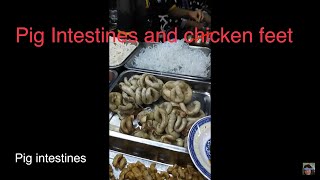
column 129, row 64
column 161, row 167
column 148, row 148
column 117, row 67
column 133, row 159
column 145, row 148
column 114, row 75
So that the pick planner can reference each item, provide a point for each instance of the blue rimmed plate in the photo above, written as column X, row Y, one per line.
column 199, row 144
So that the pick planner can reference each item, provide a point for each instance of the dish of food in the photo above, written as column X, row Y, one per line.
column 119, row 51
column 143, row 169
column 174, row 58
column 199, row 145
column 152, row 109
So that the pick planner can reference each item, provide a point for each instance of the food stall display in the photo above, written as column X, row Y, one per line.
column 130, row 167
column 162, row 90
column 155, row 107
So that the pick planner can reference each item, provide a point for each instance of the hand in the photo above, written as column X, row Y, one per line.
column 194, row 24
column 197, row 15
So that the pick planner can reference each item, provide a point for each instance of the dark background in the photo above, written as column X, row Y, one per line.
column 265, row 95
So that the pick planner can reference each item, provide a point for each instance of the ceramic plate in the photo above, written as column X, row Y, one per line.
column 199, row 144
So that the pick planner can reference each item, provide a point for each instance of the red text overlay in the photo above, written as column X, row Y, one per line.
column 39, row 37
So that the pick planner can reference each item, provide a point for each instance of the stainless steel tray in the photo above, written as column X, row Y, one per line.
column 148, row 148
column 133, row 159
column 161, row 167
column 127, row 58
column 129, row 63
column 114, row 75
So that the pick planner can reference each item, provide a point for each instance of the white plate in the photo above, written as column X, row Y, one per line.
column 199, row 143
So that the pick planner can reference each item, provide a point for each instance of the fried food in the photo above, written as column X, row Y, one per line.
column 126, row 125
column 119, row 161
column 138, row 171
column 111, row 175
column 115, row 100
column 179, row 172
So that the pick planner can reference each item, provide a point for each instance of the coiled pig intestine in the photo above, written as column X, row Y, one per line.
column 161, row 116
column 115, row 99
column 177, row 91
column 126, row 124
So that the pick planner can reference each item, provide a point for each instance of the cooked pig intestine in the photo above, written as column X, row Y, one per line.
column 167, row 106
column 145, row 115
column 180, row 113
column 126, row 125
column 196, row 117
column 179, row 142
column 191, row 109
column 176, row 123
column 140, row 95
column 170, row 128
column 132, row 83
column 127, row 99
column 177, row 91
column 153, row 82
column 115, row 99
column 141, row 134
column 149, row 125
column 160, row 126
column 127, row 109
column 172, row 133
column 148, row 80
column 175, row 105
column 125, row 88
column 146, row 95
column 161, row 116
column 172, row 120
column 169, row 139
column 168, row 120
column 152, row 123
column 191, row 120
column 180, row 124
column 153, row 136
